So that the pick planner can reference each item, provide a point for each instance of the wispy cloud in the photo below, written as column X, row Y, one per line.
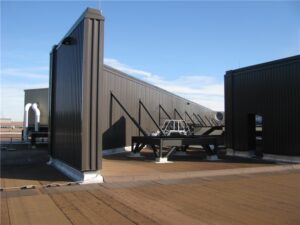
column 29, row 72
column 12, row 89
column 204, row 90
column 125, row 68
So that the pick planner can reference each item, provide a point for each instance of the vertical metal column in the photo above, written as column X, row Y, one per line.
column 139, row 117
column 51, row 99
column 160, row 148
column 110, row 110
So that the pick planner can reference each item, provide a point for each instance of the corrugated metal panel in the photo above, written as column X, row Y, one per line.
column 75, row 101
column 80, row 89
column 66, row 130
column 92, row 84
column 271, row 90
column 129, row 91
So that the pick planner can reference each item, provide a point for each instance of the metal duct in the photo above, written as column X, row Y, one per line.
column 36, row 117
column 26, row 113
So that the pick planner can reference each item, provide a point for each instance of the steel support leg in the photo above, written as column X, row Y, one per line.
column 170, row 152
column 160, row 149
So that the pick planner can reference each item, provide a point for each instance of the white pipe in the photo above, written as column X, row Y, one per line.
column 26, row 113
column 37, row 116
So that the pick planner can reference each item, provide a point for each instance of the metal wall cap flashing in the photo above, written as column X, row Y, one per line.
column 36, row 89
column 264, row 65
column 92, row 14
column 89, row 13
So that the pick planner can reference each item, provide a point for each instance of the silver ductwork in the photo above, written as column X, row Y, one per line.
column 37, row 116
column 26, row 114
column 219, row 116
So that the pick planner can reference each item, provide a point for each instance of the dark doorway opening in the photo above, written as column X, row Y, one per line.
column 255, row 134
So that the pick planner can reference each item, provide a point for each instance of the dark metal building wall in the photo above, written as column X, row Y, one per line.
column 75, row 102
column 271, row 90
column 129, row 91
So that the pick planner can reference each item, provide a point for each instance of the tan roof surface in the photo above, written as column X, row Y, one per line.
column 261, row 198
column 257, row 199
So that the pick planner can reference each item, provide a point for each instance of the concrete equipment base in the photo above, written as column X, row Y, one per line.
column 212, row 157
column 116, row 150
column 87, row 177
column 282, row 158
column 135, row 155
column 180, row 153
column 162, row 160
column 267, row 157
column 246, row 154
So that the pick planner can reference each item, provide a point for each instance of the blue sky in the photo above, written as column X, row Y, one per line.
column 184, row 47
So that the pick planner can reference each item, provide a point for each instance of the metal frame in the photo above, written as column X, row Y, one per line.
column 200, row 123
column 176, row 112
column 208, row 121
column 190, row 118
column 139, row 142
column 202, row 120
column 159, row 114
column 140, row 147
column 141, row 104
column 209, row 131
column 127, row 113
column 35, row 135
column 172, row 143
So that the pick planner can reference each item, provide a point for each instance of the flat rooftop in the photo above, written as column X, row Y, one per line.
column 262, row 198
column 137, row 191
column 123, row 167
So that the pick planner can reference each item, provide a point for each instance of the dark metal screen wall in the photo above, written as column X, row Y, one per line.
column 80, row 103
column 76, row 64
column 129, row 91
column 271, row 90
